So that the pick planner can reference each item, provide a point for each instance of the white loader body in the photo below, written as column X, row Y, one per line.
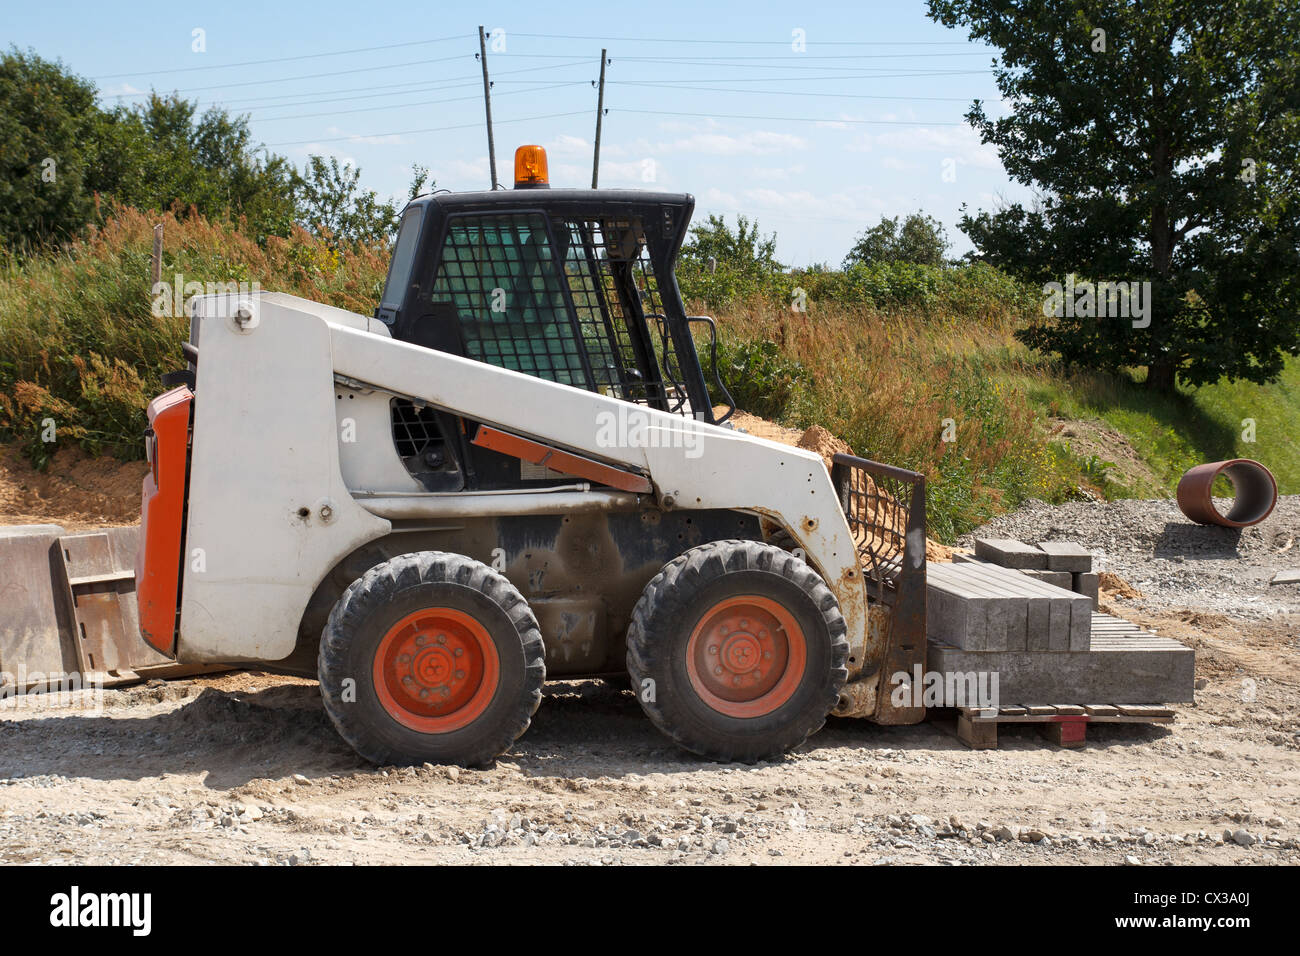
column 293, row 466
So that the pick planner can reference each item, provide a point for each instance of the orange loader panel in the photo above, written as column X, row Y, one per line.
column 162, row 518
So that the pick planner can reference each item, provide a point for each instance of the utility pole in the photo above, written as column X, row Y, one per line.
column 600, row 112
column 487, row 104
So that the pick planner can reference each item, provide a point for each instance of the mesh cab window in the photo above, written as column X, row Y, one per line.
column 616, row 298
column 503, row 281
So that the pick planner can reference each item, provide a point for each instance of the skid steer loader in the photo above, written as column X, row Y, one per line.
column 513, row 471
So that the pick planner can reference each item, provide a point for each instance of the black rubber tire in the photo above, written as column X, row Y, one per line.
column 382, row 597
column 674, row 602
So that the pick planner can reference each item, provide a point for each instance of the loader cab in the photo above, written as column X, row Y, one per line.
column 575, row 286
column 572, row 285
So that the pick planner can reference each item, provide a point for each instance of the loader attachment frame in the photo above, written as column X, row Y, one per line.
column 885, row 509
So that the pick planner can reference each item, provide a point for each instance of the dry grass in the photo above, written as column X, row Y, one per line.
column 80, row 345
column 895, row 385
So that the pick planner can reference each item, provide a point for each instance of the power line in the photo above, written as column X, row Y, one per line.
column 855, row 96
column 420, row 86
column 841, row 69
column 423, row 86
column 568, row 36
column 312, row 76
column 395, row 106
column 686, row 81
column 790, row 119
column 740, row 60
column 426, row 85
column 285, row 59
column 803, row 56
column 431, row 129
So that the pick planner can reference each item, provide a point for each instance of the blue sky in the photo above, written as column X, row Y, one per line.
column 816, row 144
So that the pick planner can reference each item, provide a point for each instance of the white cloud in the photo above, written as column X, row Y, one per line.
column 565, row 145
column 390, row 140
column 775, row 173
column 724, row 144
column 122, row 89
column 958, row 142
column 632, row 173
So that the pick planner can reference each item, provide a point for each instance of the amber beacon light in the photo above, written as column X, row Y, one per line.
column 530, row 168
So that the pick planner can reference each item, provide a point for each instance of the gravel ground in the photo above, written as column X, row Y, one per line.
column 1176, row 564
column 246, row 768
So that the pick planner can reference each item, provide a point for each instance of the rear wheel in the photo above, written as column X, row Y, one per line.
column 431, row 657
column 744, row 649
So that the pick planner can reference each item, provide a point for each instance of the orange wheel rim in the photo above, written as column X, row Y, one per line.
column 746, row 656
column 436, row 670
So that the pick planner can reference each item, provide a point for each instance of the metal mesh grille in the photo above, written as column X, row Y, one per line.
column 885, row 508
column 414, row 429
column 510, row 292
column 501, row 276
column 647, row 287
column 602, row 315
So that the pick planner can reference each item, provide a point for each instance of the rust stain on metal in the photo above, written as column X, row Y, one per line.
column 858, row 698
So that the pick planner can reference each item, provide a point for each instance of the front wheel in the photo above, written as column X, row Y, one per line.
column 739, row 649
column 431, row 657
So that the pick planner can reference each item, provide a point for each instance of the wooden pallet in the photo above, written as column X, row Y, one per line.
column 1065, row 725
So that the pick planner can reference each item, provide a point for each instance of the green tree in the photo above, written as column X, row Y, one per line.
column 1162, row 138
column 164, row 154
column 743, row 251
column 48, row 120
column 332, row 202
column 919, row 239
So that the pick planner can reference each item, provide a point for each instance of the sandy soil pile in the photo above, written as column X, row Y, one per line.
column 888, row 519
column 75, row 490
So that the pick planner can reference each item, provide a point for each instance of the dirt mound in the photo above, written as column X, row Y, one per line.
column 75, row 490
column 1111, row 585
column 821, row 441
column 818, row 439
column 762, row 428
column 1090, row 439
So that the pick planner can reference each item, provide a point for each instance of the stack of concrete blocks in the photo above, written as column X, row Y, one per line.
column 1061, row 563
column 1028, row 615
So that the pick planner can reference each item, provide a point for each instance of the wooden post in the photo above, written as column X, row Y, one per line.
column 487, row 105
column 600, row 112
column 155, row 271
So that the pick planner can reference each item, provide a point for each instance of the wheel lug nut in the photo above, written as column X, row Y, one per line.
column 460, row 675
column 441, row 638
column 735, row 681
column 459, row 651
column 421, row 640
column 713, row 648
column 717, row 671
